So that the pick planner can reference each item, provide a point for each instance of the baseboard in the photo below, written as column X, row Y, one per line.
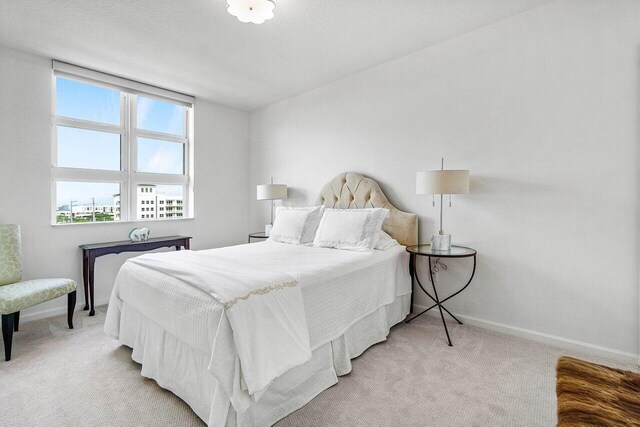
column 529, row 334
column 56, row 311
column 566, row 343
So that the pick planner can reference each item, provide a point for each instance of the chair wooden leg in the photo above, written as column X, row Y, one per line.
column 7, row 334
column 16, row 321
column 71, row 306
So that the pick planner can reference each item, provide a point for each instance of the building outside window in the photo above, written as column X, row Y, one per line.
column 118, row 145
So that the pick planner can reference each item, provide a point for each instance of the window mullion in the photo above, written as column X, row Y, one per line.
column 158, row 178
column 88, row 175
column 87, row 124
column 54, row 153
column 132, row 150
column 124, row 157
column 188, row 164
column 160, row 136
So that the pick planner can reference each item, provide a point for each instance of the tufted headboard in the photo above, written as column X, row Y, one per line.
column 351, row 190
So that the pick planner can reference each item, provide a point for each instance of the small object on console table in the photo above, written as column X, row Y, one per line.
column 429, row 252
column 139, row 234
column 91, row 251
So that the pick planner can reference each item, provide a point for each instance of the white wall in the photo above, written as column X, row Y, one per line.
column 221, row 182
column 543, row 109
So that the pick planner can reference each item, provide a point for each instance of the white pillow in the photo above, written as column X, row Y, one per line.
column 385, row 241
column 350, row 229
column 296, row 225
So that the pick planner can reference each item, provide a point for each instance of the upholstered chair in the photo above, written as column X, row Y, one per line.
column 16, row 294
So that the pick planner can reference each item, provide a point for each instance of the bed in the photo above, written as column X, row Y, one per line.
column 350, row 299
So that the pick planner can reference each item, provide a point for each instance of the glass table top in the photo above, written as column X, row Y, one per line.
column 454, row 252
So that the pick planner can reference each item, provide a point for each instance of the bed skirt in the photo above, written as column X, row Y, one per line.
column 182, row 369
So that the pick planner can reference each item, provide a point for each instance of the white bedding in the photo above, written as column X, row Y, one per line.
column 339, row 289
column 263, row 322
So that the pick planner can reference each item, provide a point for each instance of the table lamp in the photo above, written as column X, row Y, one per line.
column 442, row 182
column 271, row 192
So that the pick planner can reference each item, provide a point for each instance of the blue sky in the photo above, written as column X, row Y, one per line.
column 101, row 150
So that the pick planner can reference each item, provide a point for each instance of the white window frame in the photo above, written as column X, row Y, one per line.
column 128, row 177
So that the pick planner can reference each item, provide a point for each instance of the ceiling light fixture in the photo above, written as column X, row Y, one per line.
column 255, row 11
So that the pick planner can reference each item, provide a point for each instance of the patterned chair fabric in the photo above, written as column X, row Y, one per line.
column 21, row 295
column 16, row 295
column 10, row 254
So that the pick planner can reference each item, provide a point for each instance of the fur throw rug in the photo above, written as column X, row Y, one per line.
column 596, row 395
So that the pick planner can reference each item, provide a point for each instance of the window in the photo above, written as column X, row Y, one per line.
column 118, row 145
column 97, row 207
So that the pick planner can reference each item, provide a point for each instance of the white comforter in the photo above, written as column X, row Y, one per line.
column 264, row 315
column 339, row 288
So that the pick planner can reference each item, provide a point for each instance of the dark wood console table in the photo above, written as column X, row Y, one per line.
column 91, row 251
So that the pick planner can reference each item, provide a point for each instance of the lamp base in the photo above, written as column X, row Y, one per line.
column 267, row 229
column 441, row 242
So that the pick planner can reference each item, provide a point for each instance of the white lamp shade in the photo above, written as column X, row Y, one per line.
column 255, row 11
column 442, row 182
column 272, row 192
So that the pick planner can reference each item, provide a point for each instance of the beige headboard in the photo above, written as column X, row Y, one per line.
column 351, row 190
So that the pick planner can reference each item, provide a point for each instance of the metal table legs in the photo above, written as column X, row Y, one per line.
column 434, row 297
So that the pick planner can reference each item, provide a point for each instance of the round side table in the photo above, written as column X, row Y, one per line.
column 425, row 251
column 258, row 235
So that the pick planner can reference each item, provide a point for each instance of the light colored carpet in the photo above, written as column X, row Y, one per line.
column 62, row 377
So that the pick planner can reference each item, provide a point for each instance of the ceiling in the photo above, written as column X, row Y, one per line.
column 196, row 47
